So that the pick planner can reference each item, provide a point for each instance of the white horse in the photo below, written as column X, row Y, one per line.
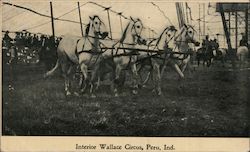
column 180, row 55
column 82, row 51
column 123, row 55
column 155, row 57
column 177, row 54
column 242, row 55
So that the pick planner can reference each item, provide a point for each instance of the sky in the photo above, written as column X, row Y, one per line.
column 15, row 19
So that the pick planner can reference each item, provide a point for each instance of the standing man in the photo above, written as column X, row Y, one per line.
column 7, row 40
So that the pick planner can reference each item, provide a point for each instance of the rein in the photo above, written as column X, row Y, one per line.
column 185, row 55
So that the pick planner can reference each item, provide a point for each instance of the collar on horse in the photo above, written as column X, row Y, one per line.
column 185, row 54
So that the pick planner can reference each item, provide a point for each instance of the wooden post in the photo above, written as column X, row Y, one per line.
column 178, row 13
column 204, row 23
column 229, row 23
column 52, row 20
column 109, row 23
column 199, row 23
column 236, row 29
column 149, row 33
column 246, row 16
column 225, row 27
column 120, row 15
column 79, row 10
column 187, row 12
column 230, row 51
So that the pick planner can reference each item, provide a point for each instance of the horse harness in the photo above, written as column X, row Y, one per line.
column 95, row 55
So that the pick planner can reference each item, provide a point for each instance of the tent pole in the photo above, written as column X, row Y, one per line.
column 246, row 16
column 236, row 29
column 52, row 20
column 79, row 10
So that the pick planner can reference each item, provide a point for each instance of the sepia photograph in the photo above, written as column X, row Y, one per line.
column 125, row 69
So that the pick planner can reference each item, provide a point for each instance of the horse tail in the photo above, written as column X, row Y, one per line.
column 52, row 71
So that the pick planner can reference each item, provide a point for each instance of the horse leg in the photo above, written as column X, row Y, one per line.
column 178, row 70
column 118, row 69
column 66, row 79
column 198, row 61
column 144, row 70
column 84, row 70
column 185, row 63
column 203, row 61
column 81, row 81
column 93, row 76
column 208, row 62
column 98, row 83
column 183, row 68
column 147, row 78
column 223, row 61
column 157, row 78
column 134, row 79
column 140, row 75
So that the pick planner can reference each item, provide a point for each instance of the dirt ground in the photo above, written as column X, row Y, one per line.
column 211, row 102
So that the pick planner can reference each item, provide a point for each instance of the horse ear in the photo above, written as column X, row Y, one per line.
column 185, row 25
column 90, row 18
column 132, row 19
column 138, row 19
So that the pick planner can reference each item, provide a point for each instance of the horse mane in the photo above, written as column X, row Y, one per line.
column 88, row 25
column 170, row 28
column 181, row 31
column 124, row 33
column 87, row 29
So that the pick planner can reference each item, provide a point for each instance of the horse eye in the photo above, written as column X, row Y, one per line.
column 190, row 32
column 95, row 22
column 138, row 26
column 169, row 35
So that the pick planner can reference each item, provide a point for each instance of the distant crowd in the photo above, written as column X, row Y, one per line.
column 44, row 46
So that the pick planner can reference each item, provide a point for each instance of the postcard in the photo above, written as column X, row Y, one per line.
column 125, row 76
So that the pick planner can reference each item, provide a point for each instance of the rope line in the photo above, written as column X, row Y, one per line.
column 28, row 9
column 163, row 13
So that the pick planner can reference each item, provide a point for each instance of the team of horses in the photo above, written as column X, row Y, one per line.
column 97, row 55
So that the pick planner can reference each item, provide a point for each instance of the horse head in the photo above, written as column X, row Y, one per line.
column 189, row 34
column 167, row 35
column 98, row 27
column 136, row 30
column 132, row 32
column 137, row 27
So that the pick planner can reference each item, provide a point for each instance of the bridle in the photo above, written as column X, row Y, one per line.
column 186, row 34
column 166, row 42
column 160, row 37
column 181, row 41
column 87, row 36
column 138, row 35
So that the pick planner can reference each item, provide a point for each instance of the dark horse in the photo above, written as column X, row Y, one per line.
column 206, row 54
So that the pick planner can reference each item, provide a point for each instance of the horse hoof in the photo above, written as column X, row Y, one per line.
column 82, row 90
column 135, row 92
column 159, row 93
column 116, row 95
column 45, row 76
column 68, row 93
column 93, row 96
column 76, row 94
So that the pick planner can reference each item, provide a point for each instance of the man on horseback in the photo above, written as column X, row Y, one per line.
column 206, row 43
column 243, row 41
column 207, row 49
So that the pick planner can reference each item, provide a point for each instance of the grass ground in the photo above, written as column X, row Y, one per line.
column 213, row 102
